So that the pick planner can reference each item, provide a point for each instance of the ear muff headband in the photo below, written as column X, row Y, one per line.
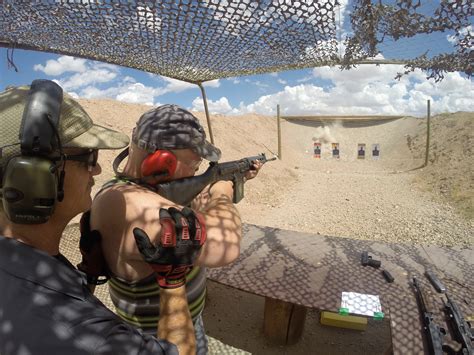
column 30, row 182
column 161, row 162
column 41, row 118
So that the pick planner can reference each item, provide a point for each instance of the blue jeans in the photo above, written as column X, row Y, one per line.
column 201, row 339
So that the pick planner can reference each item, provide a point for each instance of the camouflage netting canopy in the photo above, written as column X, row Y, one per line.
column 197, row 41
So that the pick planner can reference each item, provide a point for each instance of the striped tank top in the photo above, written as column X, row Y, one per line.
column 138, row 303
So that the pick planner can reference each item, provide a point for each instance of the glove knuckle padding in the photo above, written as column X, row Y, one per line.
column 200, row 232
column 168, row 229
column 182, row 236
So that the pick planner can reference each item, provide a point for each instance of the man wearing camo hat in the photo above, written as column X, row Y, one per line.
column 168, row 143
column 48, row 159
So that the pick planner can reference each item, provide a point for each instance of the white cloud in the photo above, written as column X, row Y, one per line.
column 305, row 79
column 62, row 65
column 260, row 84
column 281, row 81
column 86, row 79
column 370, row 90
column 128, row 79
column 79, row 72
column 137, row 93
column 221, row 106
column 92, row 76
column 126, row 91
column 464, row 31
column 92, row 92
column 212, row 84
column 234, row 80
column 356, row 79
column 175, row 86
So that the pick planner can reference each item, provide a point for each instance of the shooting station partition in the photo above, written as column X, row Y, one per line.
column 199, row 41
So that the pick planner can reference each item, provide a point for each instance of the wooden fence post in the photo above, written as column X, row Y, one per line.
column 206, row 110
column 427, row 153
column 279, row 132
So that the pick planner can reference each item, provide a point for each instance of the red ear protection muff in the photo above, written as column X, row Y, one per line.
column 161, row 162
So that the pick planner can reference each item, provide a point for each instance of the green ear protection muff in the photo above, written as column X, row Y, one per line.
column 31, row 183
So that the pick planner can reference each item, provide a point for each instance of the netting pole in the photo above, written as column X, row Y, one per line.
column 279, row 132
column 427, row 153
column 206, row 110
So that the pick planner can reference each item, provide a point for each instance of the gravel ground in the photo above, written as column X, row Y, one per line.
column 374, row 206
column 364, row 199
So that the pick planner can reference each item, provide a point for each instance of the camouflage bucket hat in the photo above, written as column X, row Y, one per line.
column 76, row 129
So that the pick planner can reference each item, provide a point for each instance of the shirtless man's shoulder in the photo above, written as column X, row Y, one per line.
column 116, row 211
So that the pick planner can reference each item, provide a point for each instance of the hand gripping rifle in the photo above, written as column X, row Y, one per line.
column 183, row 191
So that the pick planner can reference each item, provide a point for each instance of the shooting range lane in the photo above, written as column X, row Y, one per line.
column 389, row 133
column 383, row 199
column 313, row 270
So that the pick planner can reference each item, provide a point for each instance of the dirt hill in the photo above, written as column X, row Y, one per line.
column 450, row 172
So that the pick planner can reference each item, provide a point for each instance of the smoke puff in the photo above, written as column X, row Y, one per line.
column 324, row 135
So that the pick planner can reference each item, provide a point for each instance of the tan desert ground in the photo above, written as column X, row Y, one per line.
column 391, row 199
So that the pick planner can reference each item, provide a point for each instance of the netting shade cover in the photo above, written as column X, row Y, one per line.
column 198, row 41
column 187, row 40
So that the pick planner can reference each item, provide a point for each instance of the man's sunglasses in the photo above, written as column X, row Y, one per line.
column 90, row 157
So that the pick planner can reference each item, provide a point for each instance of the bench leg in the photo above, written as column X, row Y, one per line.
column 283, row 322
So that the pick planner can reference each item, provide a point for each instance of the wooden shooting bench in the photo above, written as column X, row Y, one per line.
column 295, row 271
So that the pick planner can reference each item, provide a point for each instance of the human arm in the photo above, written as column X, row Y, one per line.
column 222, row 220
column 224, row 227
column 175, row 324
column 182, row 235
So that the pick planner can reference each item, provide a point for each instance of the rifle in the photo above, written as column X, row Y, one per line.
column 459, row 326
column 434, row 334
column 183, row 191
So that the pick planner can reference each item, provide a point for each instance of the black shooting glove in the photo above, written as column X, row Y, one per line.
column 93, row 263
column 183, row 233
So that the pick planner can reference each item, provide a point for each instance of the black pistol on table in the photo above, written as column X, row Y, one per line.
column 366, row 259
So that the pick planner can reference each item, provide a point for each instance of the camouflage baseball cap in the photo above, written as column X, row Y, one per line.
column 76, row 129
column 171, row 127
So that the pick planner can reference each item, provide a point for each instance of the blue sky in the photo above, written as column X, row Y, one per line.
column 368, row 89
